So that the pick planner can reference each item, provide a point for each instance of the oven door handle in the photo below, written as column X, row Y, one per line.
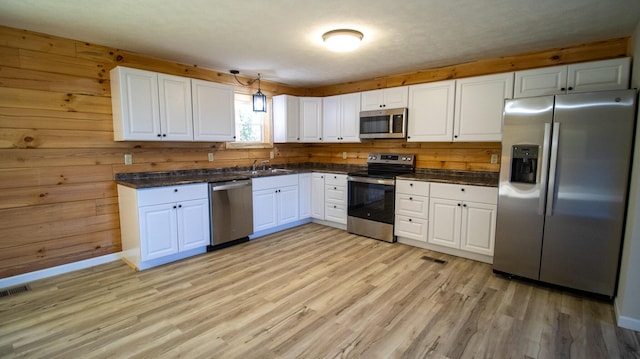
column 383, row 181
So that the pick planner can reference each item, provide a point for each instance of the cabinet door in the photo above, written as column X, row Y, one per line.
column 304, row 195
column 286, row 119
column 444, row 222
column 411, row 227
column 331, row 118
column 478, row 227
column 431, row 108
column 311, row 119
column 158, row 231
column 350, row 118
column 372, row 100
column 335, row 194
column 396, row 97
column 288, row 204
column 599, row 75
column 193, row 224
column 134, row 96
column 176, row 120
column 213, row 111
column 265, row 209
column 479, row 105
column 540, row 82
column 317, row 195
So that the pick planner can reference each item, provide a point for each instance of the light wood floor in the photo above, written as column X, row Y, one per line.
column 310, row 292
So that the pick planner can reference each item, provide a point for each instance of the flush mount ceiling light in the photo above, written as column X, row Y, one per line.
column 342, row 40
column 259, row 99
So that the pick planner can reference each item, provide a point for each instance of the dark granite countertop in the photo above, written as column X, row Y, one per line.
column 172, row 178
column 485, row 179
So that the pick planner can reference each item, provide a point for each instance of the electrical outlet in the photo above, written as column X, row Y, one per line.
column 494, row 158
column 210, row 156
column 344, row 155
column 272, row 155
column 128, row 159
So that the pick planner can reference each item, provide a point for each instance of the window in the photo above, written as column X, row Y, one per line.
column 250, row 126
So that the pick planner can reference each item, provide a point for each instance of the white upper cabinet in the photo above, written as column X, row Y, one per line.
column 149, row 106
column 213, row 111
column 431, row 111
column 175, row 108
column 310, row 119
column 136, row 109
column 584, row 77
column 395, row 97
column 341, row 118
column 478, row 107
column 286, row 119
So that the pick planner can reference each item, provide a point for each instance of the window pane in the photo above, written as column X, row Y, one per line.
column 249, row 124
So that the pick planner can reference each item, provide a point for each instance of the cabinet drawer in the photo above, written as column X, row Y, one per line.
column 335, row 194
column 412, row 205
column 170, row 194
column 274, row 182
column 335, row 179
column 465, row 192
column 335, row 213
column 411, row 227
column 412, row 187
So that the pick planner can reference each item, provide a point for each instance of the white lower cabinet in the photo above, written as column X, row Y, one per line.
column 163, row 224
column 335, row 198
column 454, row 219
column 304, row 192
column 275, row 201
column 317, row 195
column 463, row 217
column 412, row 210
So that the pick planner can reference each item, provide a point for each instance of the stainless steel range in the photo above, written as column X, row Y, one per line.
column 371, row 198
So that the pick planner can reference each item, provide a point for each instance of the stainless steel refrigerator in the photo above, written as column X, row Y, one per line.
column 563, row 188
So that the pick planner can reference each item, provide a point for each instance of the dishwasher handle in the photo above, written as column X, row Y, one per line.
column 222, row 186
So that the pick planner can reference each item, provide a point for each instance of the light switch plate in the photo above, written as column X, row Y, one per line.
column 210, row 156
column 128, row 159
column 272, row 155
column 494, row 158
column 344, row 155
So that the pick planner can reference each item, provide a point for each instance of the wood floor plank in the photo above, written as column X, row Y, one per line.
column 308, row 292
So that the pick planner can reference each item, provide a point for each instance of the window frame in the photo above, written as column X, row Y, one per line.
column 267, row 141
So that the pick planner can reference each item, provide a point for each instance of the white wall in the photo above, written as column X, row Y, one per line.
column 627, row 301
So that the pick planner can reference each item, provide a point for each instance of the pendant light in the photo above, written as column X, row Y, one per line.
column 259, row 99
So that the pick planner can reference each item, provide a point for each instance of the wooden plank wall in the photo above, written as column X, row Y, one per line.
column 58, row 200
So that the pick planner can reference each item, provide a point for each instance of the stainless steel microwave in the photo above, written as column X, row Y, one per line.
column 388, row 123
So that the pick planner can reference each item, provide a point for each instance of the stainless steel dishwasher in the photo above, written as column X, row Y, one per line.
column 231, row 208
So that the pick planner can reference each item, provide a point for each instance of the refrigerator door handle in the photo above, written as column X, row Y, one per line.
column 544, row 166
column 552, row 168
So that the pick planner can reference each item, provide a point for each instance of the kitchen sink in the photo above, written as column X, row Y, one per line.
column 280, row 170
column 269, row 171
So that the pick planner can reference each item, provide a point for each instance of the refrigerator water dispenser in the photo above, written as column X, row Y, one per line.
column 524, row 163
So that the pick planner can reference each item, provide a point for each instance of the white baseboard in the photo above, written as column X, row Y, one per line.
column 625, row 322
column 50, row 272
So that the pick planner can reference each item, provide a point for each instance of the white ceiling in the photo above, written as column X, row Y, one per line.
column 281, row 39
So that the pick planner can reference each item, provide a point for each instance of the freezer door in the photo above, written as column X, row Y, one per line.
column 523, row 181
column 587, row 190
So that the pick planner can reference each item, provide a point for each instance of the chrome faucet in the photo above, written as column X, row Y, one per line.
column 253, row 166
column 264, row 164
